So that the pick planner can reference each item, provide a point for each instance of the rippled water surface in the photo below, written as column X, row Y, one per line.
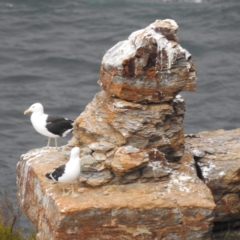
column 51, row 51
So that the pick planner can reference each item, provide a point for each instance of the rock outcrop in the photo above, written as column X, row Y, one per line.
column 125, row 137
column 139, row 179
column 199, row 191
column 149, row 66
column 217, row 155
column 178, row 207
column 137, row 118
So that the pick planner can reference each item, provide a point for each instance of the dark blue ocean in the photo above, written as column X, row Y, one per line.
column 51, row 52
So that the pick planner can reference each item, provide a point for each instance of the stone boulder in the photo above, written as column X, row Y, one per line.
column 117, row 122
column 109, row 125
column 149, row 66
column 217, row 154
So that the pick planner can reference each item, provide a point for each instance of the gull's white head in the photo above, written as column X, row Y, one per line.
column 75, row 152
column 36, row 107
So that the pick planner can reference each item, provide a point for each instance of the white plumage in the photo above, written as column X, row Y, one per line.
column 69, row 172
column 49, row 126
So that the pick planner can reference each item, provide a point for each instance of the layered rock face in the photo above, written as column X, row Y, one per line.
column 217, row 154
column 123, row 138
column 135, row 122
column 149, row 66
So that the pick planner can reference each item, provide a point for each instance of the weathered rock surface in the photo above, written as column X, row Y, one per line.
column 149, row 66
column 179, row 207
column 108, row 125
column 217, row 154
column 111, row 122
column 127, row 159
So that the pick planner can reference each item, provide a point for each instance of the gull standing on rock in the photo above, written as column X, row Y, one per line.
column 69, row 172
column 50, row 126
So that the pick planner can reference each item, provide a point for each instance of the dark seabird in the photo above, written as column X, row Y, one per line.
column 50, row 126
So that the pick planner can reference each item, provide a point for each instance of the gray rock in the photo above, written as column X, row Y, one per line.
column 99, row 178
column 155, row 170
column 197, row 152
column 89, row 163
column 102, row 146
column 99, row 156
column 86, row 151
column 209, row 150
column 132, row 176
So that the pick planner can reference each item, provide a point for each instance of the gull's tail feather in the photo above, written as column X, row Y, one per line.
column 49, row 175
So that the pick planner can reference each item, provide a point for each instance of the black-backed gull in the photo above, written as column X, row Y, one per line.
column 50, row 126
column 69, row 172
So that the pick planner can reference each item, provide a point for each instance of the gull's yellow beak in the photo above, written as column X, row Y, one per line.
column 27, row 111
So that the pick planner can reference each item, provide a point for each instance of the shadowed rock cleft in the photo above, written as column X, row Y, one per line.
column 198, row 169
